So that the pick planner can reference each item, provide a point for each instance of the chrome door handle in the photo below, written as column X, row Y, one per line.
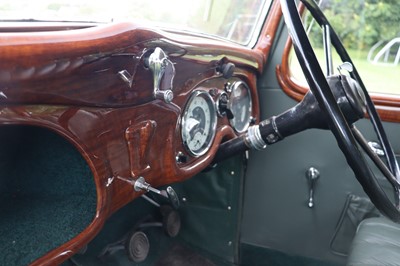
column 312, row 175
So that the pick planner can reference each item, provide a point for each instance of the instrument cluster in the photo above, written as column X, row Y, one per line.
column 201, row 112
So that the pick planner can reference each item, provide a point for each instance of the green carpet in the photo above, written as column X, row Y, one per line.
column 47, row 194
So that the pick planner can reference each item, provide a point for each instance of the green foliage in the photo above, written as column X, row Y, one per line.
column 361, row 23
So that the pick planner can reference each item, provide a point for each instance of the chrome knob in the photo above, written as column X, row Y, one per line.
column 376, row 148
column 345, row 66
column 140, row 184
column 167, row 95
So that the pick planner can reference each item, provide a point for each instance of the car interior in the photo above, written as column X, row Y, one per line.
column 134, row 143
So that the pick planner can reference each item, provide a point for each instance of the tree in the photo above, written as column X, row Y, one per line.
column 361, row 23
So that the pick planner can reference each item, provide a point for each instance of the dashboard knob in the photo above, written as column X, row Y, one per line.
column 227, row 70
column 167, row 95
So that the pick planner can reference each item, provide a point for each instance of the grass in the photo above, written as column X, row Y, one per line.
column 377, row 78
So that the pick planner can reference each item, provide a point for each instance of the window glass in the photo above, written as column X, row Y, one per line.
column 370, row 31
column 235, row 20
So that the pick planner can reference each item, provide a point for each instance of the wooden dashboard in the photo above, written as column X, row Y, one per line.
column 69, row 81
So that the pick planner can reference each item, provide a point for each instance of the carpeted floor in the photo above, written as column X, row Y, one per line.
column 47, row 193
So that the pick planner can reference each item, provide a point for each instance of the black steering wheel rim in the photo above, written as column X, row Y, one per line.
column 334, row 116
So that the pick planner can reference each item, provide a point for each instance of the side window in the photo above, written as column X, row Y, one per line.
column 370, row 31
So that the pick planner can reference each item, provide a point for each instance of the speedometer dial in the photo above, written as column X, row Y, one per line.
column 240, row 106
column 198, row 123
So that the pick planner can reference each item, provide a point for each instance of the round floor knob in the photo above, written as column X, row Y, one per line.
column 171, row 221
column 137, row 246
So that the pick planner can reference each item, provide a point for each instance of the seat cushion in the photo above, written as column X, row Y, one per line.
column 377, row 242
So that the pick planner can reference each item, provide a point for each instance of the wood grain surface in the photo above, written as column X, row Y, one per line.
column 66, row 79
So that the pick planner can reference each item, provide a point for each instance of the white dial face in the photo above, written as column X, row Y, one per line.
column 198, row 123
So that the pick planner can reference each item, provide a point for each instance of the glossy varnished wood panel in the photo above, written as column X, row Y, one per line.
column 80, row 67
column 121, row 144
column 67, row 81
column 119, row 141
column 268, row 33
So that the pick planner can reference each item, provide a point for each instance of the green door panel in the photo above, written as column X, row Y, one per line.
column 276, row 217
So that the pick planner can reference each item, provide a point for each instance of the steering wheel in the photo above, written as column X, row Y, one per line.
column 347, row 135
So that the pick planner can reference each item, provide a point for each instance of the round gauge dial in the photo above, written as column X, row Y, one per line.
column 240, row 106
column 199, row 123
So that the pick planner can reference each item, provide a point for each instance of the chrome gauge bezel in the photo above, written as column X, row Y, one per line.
column 210, row 131
column 248, row 115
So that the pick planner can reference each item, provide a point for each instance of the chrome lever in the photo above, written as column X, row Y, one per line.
column 158, row 63
column 170, row 194
column 312, row 175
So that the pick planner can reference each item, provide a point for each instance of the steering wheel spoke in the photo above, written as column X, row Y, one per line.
column 379, row 163
column 328, row 49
